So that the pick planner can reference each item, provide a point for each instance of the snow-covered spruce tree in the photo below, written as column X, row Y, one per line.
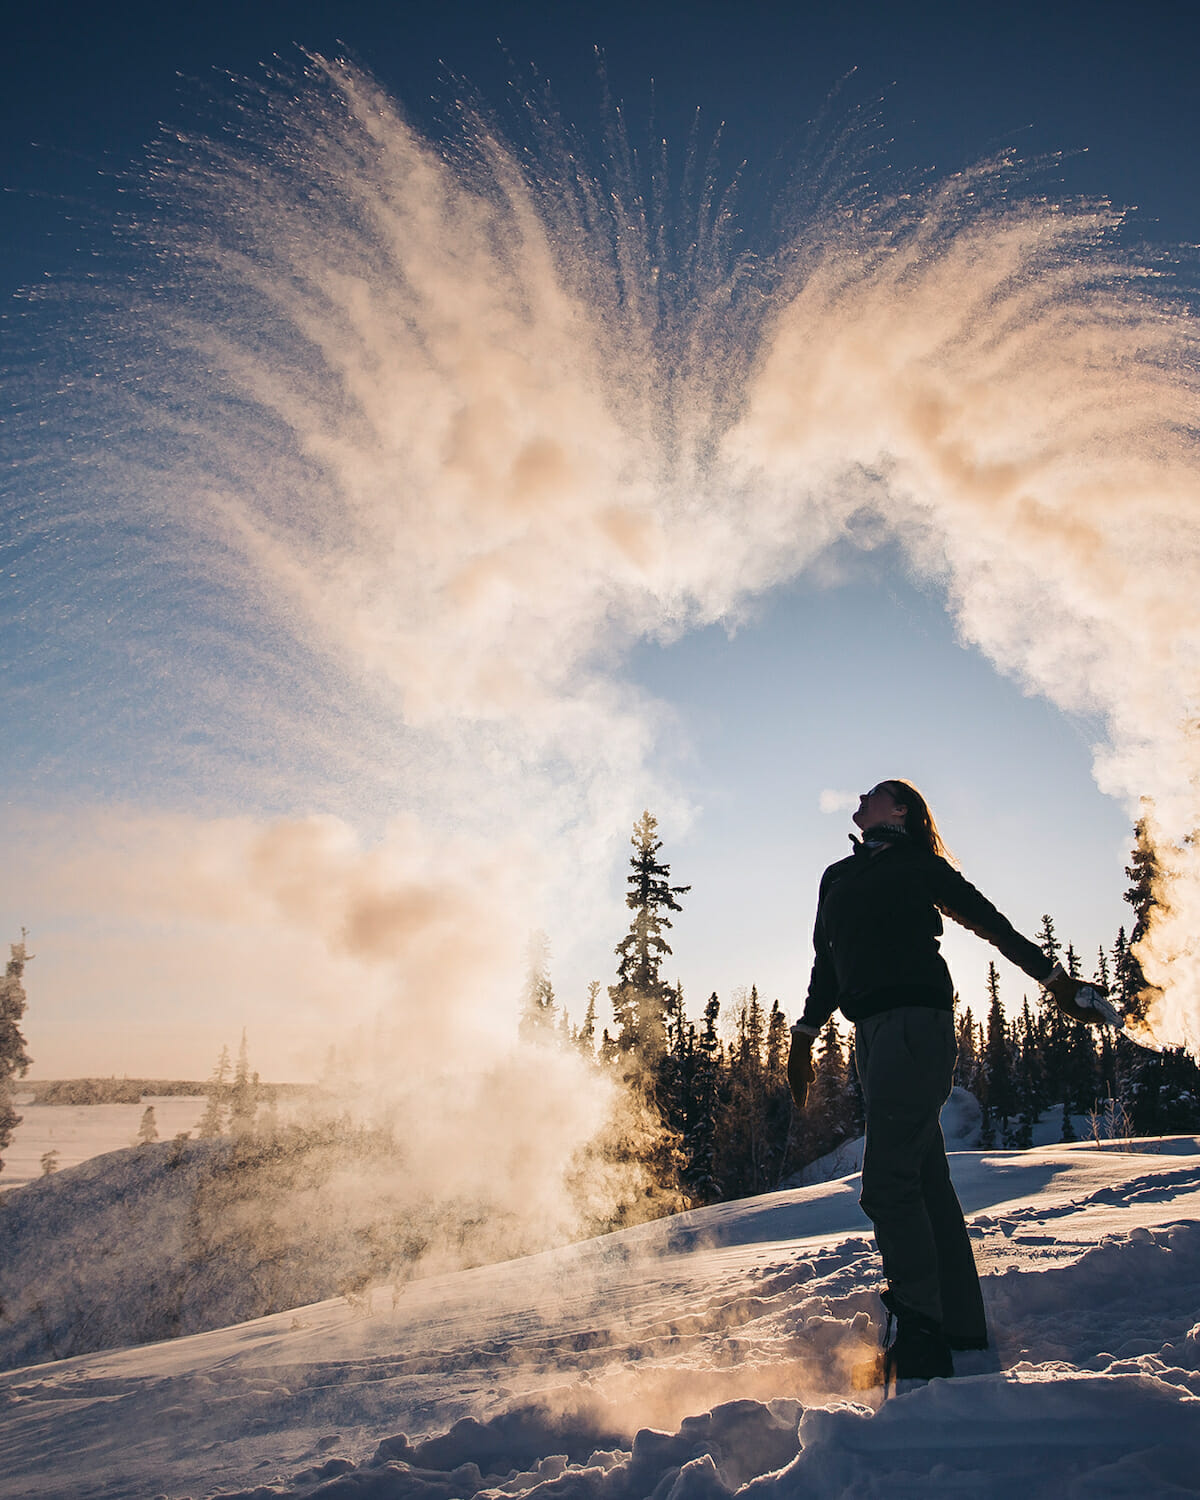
column 212, row 1122
column 14, row 1060
column 585, row 1037
column 640, row 996
column 539, row 1012
column 148, row 1129
column 643, row 1002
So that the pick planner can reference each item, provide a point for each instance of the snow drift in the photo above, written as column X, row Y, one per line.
column 708, row 1354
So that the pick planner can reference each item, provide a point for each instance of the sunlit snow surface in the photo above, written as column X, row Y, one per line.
column 1092, row 1275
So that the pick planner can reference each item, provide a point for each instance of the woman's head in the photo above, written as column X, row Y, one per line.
column 899, row 803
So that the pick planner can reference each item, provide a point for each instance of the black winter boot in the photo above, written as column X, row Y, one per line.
column 919, row 1350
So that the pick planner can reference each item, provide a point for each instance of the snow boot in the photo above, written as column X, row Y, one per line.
column 919, row 1350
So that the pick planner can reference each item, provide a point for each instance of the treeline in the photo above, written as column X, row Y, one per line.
column 1020, row 1067
column 111, row 1090
column 725, row 1127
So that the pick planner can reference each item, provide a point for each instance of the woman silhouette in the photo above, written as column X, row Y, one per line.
column 877, row 959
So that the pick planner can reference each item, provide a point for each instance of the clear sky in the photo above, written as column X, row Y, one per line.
column 160, row 755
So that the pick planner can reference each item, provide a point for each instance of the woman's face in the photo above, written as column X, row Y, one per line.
column 879, row 806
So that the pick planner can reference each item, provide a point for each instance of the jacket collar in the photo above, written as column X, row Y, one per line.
column 878, row 836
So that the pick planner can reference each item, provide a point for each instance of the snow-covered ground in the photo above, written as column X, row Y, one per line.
column 685, row 1359
column 80, row 1131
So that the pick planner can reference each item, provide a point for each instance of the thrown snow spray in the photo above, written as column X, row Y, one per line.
column 419, row 436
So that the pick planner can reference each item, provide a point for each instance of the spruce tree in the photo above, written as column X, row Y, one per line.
column 1143, row 873
column 1001, row 1094
column 1031, row 1097
column 700, row 1178
column 585, row 1037
column 148, row 1129
column 966, row 1069
column 1046, row 939
column 14, row 1060
column 1055, row 1028
column 640, row 996
column 539, row 1013
column 674, row 1071
column 1123, row 986
column 830, row 1109
column 778, row 1098
column 1082, row 1072
column 243, row 1097
column 743, row 1130
column 212, row 1121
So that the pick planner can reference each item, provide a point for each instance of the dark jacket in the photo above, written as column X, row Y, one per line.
column 879, row 918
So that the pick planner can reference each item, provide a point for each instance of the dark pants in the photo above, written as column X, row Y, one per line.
column 905, row 1059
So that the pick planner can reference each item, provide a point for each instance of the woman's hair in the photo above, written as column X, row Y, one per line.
column 919, row 824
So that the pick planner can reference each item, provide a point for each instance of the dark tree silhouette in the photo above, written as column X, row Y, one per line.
column 640, row 997
column 14, row 1060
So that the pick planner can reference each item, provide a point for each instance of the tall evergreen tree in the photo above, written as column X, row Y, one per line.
column 212, row 1122
column 1046, row 939
column 966, row 1071
column 1030, row 1077
column 640, row 996
column 1054, row 1027
column 585, row 1038
column 539, row 1013
column 1082, row 1080
column 830, row 1113
column 745, row 1166
column 700, row 1177
column 1001, row 1093
column 1124, row 985
column 14, row 1060
column 1143, row 873
column 778, row 1104
column 243, row 1097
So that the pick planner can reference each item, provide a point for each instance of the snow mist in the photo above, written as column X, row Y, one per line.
column 415, row 438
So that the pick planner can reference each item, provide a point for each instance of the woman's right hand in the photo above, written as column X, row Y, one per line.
column 800, row 1070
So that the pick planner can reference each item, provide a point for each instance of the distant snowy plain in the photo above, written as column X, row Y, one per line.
column 710, row 1354
column 79, row 1132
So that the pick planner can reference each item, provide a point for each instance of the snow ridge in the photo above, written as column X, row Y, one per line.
column 693, row 1359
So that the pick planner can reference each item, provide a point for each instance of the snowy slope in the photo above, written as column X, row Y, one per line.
column 733, row 1331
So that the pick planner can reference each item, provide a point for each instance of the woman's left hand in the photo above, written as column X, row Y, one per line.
column 1082, row 1002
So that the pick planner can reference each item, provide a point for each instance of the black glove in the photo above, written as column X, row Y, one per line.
column 800, row 1070
column 1082, row 1002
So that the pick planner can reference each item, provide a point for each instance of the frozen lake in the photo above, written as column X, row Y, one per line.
column 80, row 1131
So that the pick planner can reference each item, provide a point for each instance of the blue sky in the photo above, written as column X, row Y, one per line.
column 813, row 691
